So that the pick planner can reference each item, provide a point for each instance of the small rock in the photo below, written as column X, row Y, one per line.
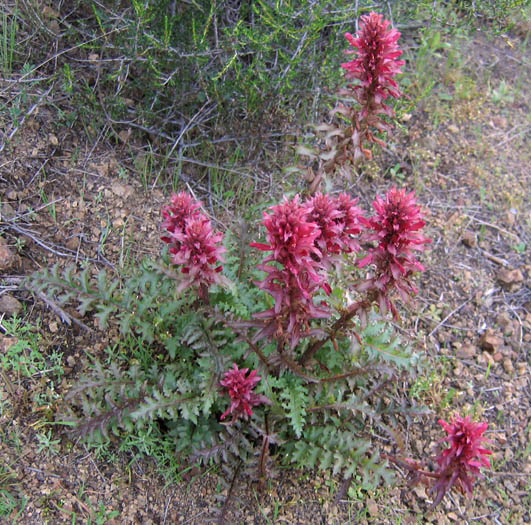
column 510, row 217
column 372, row 508
column 469, row 239
column 9, row 305
column 485, row 359
column 7, row 257
column 502, row 438
column 508, row 366
column 124, row 135
column 466, row 352
column 504, row 322
column 506, row 351
column 73, row 243
column 6, row 211
column 490, row 341
column 71, row 361
column 420, row 491
column 48, row 12
column 121, row 190
column 500, row 122
column 453, row 128
column 54, row 141
column 498, row 356
column 510, row 279
column 6, row 343
column 54, row 328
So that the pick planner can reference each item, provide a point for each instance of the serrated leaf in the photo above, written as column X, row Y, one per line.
column 103, row 314
column 295, row 401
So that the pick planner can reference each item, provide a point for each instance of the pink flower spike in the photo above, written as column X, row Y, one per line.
column 199, row 253
column 240, row 390
column 193, row 244
column 377, row 63
column 460, row 464
column 291, row 236
column 396, row 227
column 181, row 208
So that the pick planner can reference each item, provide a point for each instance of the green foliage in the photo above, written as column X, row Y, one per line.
column 294, row 397
column 26, row 352
column 8, row 38
column 159, row 385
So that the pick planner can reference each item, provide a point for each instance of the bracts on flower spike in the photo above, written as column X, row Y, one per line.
column 240, row 390
column 305, row 240
column 374, row 68
column 396, row 228
column 457, row 465
column 193, row 244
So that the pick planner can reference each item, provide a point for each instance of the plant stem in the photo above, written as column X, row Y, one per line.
column 337, row 326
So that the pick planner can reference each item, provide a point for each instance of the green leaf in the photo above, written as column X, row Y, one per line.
column 295, row 401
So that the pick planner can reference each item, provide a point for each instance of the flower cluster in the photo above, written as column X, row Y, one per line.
column 338, row 219
column 376, row 64
column 303, row 239
column 193, row 244
column 374, row 68
column 240, row 390
column 396, row 228
column 460, row 463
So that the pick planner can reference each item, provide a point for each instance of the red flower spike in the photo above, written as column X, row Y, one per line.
column 292, row 237
column 374, row 70
column 396, row 227
column 193, row 244
column 337, row 219
column 199, row 253
column 240, row 390
column 182, row 207
column 376, row 65
column 460, row 464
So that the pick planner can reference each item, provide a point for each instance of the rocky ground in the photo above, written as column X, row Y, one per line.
column 467, row 155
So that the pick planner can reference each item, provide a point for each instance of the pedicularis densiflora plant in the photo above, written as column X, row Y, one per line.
column 286, row 353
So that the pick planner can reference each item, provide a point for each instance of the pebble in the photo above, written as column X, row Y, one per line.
column 491, row 341
column 122, row 190
column 510, row 217
column 7, row 257
column 9, row 305
column 372, row 508
column 469, row 239
column 466, row 352
column 73, row 243
column 508, row 366
column 510, row 279
column 504, row 322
